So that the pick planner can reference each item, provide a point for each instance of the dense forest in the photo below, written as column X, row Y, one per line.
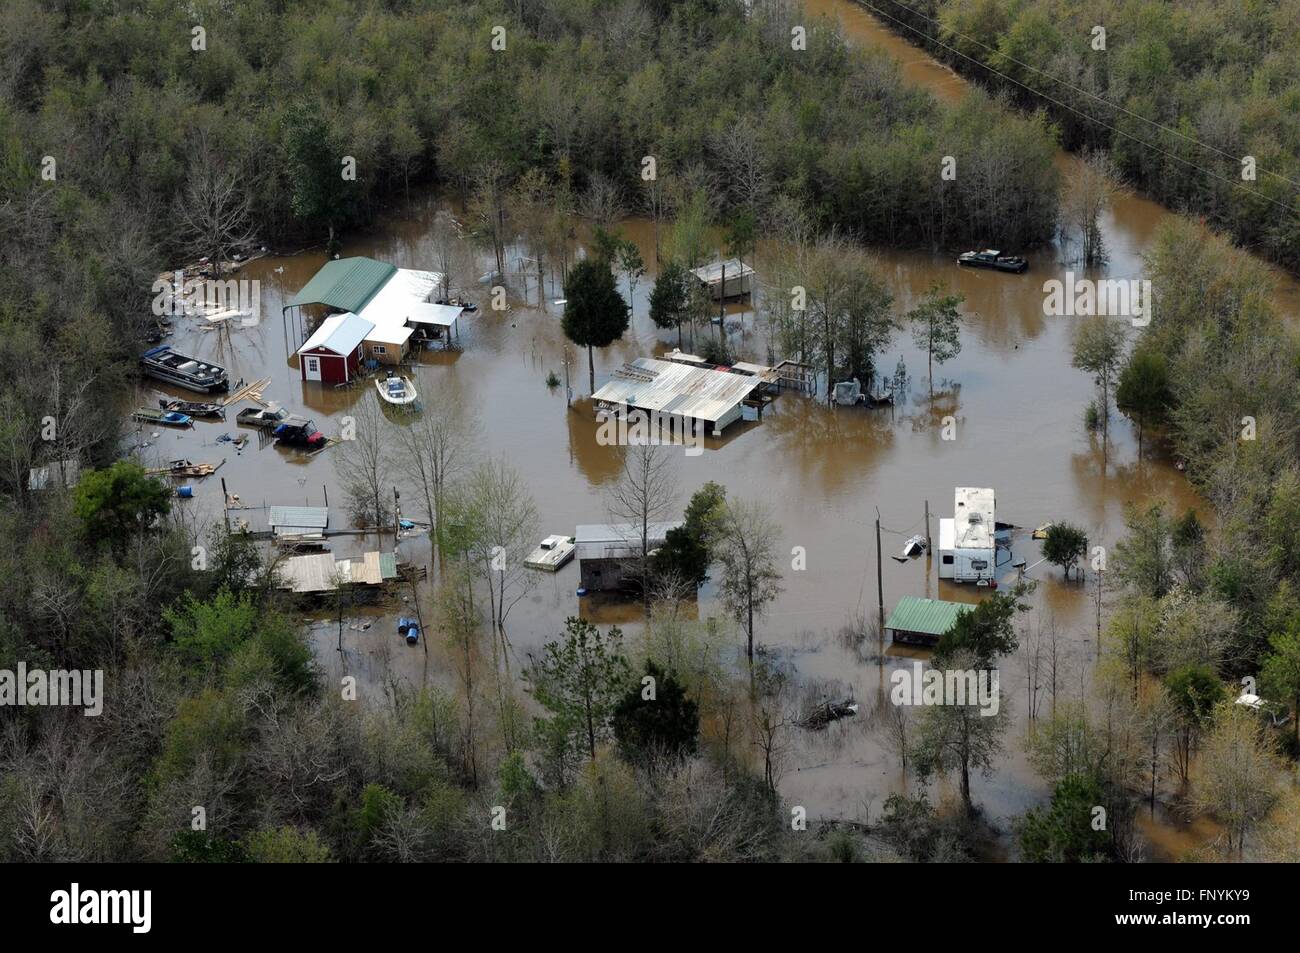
column 117, row 119
column 1179, row 93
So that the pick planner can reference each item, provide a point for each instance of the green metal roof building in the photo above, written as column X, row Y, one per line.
column 922, row 621
column 346, row 284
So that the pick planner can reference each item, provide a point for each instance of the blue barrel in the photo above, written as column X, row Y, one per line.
column 412, row 634
column 185, row 492
column 403, row 623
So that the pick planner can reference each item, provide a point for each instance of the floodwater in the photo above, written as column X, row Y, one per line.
column 825, row 472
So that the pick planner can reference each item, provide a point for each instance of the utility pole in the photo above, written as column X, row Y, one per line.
column 928, row 546
column 568, row 391
column 880, row 575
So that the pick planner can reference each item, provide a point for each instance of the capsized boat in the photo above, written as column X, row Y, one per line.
column 397, row 390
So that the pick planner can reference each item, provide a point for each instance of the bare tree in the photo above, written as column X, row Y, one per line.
column 363, row 464
column 770, row 720
column 645, row 493
column 436, row 448
column 745, row 160
column 214, row 212
column 501, row 518
column 745, row 546
column 602, row 203
column 488, row 208
column 451, row 254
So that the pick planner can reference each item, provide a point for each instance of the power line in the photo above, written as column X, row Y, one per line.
column 1077, row 89
column 1078, row 112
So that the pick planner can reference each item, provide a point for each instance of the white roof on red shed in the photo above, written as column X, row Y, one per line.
column 340, row 333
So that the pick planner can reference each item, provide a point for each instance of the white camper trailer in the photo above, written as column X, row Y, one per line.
column 967, row 549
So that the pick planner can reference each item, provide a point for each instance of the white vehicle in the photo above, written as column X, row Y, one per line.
column 967, row 547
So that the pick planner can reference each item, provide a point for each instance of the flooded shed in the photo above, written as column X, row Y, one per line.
column 707, row 394
column 725, row 279
column 605, row 549
column 917, row 621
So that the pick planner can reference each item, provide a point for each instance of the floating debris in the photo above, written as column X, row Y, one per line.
column 826, row 712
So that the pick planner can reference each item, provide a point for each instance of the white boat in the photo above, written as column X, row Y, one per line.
column 397, row 390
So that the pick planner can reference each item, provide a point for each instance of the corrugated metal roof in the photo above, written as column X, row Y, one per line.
column 931, row 616
column 671, row 388
column 315, row 517
column 713, row 272
column 618, row 540
column 443, row 315
column 340, row 333
column 346, row 283
column 392, row 304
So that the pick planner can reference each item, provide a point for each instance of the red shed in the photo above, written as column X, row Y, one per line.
column 333, row 354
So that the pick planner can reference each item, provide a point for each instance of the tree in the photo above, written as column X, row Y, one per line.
column 286, row 845
column 936, row 327
column 670, row 298
column 1093, row 188
column 435, row 449
column 595, row 314
column 1064, row 546
column 1065, row 832
column 985, row 631
column 1194, row 691
column 644, row 494
column 1144, row 391
column 1098, row 346
column 215, row 212
column 1143, row 558
column 319, row 194
column 579, row 681
column 686, row 553
column 1238, row 778
column 363, row 463
column 963, row 738
column 656, row 720
column 119, row 502
column 1280, row 672
column 632, row 265
column 498, row 520
column 745, row 547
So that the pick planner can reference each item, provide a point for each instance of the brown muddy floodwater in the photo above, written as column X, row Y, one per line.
column 825, row 472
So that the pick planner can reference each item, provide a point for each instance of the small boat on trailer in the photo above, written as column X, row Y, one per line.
column 169, row 418
column 397, row 390
column 992, row 258
column 164, row 364
column 195, row 408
